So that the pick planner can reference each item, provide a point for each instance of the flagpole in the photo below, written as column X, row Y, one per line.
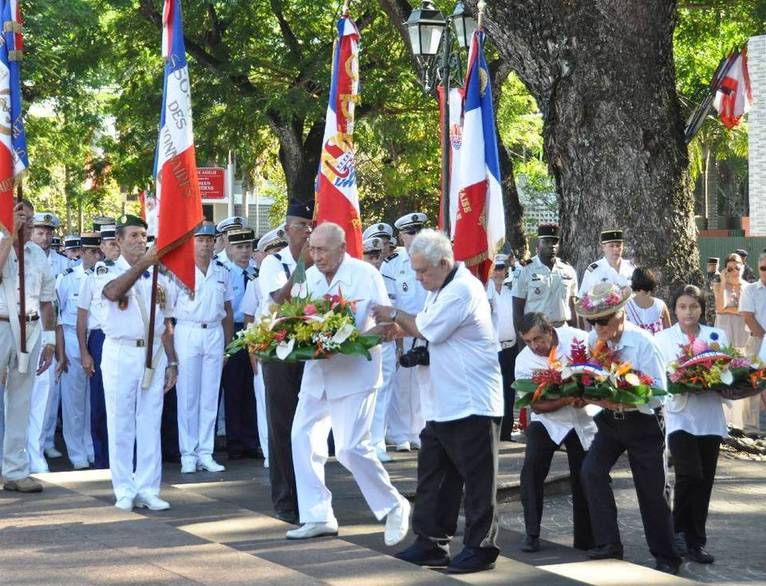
column 149, row 367
column 22, row 281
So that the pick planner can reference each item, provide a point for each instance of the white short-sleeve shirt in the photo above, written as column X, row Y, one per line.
column 274, row 274
column 464, row 369
column 91, row 301
column 39, row 280
column 602, row 272
column 502, row 310
column 753, row 299
column 212, row 290
column 545, row 290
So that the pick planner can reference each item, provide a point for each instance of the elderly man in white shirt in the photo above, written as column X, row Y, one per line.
column 338, row 393
column 636, row 430
column 462, row 405
column 554, row 422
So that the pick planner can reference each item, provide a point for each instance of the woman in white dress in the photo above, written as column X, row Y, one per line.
column 727, row 293
column 694, row 424
column 644, row 310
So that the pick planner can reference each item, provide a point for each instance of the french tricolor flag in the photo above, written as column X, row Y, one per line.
column 337, row 199
column 175, row 168
column 480, row 218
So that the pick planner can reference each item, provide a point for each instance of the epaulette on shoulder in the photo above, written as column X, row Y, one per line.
column 593, row 267
column 68, row 271
column 220, row 264
column 109, row 263
column 392, row 257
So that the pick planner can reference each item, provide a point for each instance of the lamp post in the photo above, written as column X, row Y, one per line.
column 433, row 40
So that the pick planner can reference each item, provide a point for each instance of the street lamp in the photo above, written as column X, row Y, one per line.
column 432, row 39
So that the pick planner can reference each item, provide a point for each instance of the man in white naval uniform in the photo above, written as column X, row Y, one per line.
column 405, row 417
column 46, row 392
column 134, row 400
column 611, row 267
column 204, row 326
column 75, row 398
column 40, row 293
column 339, row 394
column 232, row 223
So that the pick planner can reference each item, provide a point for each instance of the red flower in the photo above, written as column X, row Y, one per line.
column 280, row 335
column 310, row 309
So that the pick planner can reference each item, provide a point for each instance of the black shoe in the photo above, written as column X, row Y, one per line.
column 473, row 559
column 667, row 567
column 236, row 455
column 699, row 555
column 287, row 516
column 530, row 544
column 256, row 454
column 423, row 555
column 605, row 552
column 680, row 543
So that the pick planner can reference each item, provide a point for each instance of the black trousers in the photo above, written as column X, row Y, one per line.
column 283, row 382
column 641, row 436
column 453, row 455
column 239, row 405
column 695, row 459
column 537, row 462
column 169, row 427
column 507, row 358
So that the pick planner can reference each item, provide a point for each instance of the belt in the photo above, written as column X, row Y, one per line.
column 30, row 317
column 196, row 324
column 623, row 413
column 140, row 343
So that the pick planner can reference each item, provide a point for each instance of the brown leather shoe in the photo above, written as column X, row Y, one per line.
column 27, row 484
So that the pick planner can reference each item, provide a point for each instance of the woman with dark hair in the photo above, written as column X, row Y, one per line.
column 644, row 310
column 727, row 293
column 694, row 425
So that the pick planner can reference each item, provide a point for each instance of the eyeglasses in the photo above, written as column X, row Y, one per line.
column 732, row 269
column 599, row 321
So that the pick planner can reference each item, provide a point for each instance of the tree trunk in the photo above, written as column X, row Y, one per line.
column 603, row 75
column 299, row 157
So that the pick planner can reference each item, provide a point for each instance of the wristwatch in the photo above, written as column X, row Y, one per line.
column 393, row 314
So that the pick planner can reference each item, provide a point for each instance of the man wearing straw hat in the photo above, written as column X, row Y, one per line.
column 21, row 368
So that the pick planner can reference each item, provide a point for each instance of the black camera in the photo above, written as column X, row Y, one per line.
column 417, row 356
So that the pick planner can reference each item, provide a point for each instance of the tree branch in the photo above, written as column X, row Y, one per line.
column 291, row 40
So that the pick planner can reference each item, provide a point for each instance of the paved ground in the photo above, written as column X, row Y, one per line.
column 220, row 532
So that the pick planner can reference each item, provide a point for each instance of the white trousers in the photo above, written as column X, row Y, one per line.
column 75, row 399
column 383, row 396
column 259, row 388
column 405, row 417
column 133, row 419
column 200, row 362
column 350, row 419
column 42, row 405
column 17, row 397
column 52, row 411
column 744, row 414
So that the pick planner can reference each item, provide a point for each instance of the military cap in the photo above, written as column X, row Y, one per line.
column 548, row 231
column 45, row 220
column 381, row 230
column 101, row 221
column 90, row 239
column 301, row 209
column 55, row 242
column 713, row 259
column 205, row 229
column 501, row 260
column 231, row 223
column 408, row 221
column 273, row 239
column 131, row 220
column 240, row 236
column 71, row 241
column 742, row 252
column 372, row 245
column 611, row 236
column 108, row 232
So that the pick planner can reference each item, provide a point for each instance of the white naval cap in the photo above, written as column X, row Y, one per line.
column 501, row 260
column 46, row 220
column 372, row 245
column 414, row 220
column 381, row 230
column 272, row 239
column 231, row 223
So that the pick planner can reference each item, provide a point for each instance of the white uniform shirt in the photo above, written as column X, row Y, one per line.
column 126, row 322
column 57, row 262
column 695, row 413
column 38, row 279
column 211, row 291
column 464, row 371
column 404, row 290
column 68, row 286
column 502, row 310
column 753, row 299
column 251, row 302
column 547, row 291
column 239, row 278
column 223, row 257
column 602, row 272
column 275, row 271
column 91, row 300
column 637, row 346
column 340, row 375
column 559, row 423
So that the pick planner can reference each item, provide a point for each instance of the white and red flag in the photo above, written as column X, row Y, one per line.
column 337, row 199
column 13, row 142
column 733, row 96
column 175, row 167
column 479, row 225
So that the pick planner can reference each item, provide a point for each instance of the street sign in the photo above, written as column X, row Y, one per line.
column 211, row 182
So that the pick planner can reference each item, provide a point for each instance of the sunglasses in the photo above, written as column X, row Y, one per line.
column 599, row 321
column 762, row 268
column 732, row 269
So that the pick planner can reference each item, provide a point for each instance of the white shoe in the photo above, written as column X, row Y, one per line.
column 397, row 523
column 151, row 502
column 207, row 463
column 266, row 463
column 403, row 447
column 188, row 467
column 124, row 504
column 309, row 530
column 53, row 453
column 383, row 456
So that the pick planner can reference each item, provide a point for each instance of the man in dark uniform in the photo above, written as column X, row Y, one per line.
column 711, row 277
column 283, row 379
